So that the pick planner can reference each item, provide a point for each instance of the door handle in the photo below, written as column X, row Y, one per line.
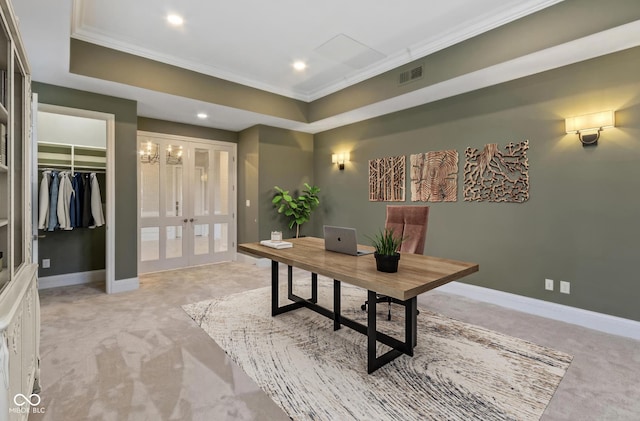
column 185, row 220
column 192, row 220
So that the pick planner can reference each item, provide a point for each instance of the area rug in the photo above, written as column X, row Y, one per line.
column 459, row 371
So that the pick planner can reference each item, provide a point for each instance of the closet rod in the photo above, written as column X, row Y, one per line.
column 77, row 169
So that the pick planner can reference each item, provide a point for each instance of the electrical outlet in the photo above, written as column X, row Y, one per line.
column 548, row 284
column 46, row 263
column 565, row 287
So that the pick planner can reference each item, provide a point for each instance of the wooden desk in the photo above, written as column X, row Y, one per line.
column 416, row 274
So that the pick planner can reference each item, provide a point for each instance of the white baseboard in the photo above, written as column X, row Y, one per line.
column 124, row 285
column 68, row 279
column 589, row 319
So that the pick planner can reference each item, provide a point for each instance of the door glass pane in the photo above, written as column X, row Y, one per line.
column 201, row 239
column 220, row 238
column 201, row 183
column 174, row 174
column 174, row 242
column 149, row 179
column 149, row 243
column 221, row 187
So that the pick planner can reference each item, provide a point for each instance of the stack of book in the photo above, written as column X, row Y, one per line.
column 276, row 244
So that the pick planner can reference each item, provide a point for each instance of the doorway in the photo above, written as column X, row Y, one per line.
column 186, row 201
column 74, row 140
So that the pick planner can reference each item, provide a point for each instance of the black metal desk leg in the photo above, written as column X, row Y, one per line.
column 336, row 305
column 290, row 282
column 371, row 332
column 314, row 287
column 411, row 324
column 274, row 288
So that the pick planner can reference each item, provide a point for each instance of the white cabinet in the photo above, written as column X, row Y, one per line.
column 19, row 303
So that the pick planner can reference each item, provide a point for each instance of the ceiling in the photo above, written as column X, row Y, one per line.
column 255, row 43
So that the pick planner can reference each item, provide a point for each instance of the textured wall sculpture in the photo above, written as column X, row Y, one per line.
column 387, row 179
column 497, row 176
column 434, row 176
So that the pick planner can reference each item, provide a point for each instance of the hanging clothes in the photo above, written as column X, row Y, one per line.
column 53, row 201
column 43, row 209
column 75, row 206
column 65, row 192
column 96, row 202
column 87, row 220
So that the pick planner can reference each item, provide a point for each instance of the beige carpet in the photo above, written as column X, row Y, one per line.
column 459, row 371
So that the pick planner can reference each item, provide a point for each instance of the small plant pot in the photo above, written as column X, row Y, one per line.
column 387, row 263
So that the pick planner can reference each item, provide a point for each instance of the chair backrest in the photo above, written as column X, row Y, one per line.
column 409, row 222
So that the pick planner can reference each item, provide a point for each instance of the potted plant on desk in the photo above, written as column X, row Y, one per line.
column 387, row 247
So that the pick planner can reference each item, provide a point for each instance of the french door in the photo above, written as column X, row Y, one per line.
column 187, row 201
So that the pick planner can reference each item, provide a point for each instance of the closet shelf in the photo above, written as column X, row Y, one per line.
column 73, row 157
column 4, row 222
column 4, row 168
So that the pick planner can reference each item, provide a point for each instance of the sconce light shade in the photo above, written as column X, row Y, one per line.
column 589, row 126
column 340, row 159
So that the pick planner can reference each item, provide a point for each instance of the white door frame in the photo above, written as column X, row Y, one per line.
column 110, row 119
column 195, row 142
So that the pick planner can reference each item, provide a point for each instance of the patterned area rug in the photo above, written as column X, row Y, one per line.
column 459, row 371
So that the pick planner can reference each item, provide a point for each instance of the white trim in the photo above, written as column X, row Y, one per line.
column 67, row 279
column 124, row 285
column 577, row 316
column 110, row 252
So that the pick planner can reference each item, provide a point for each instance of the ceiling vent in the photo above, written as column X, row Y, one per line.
column 411, row 74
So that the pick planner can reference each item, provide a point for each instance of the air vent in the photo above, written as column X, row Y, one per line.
column 411, row 75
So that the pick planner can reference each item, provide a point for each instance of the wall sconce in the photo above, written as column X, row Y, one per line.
column 589, row 126
column 340, row 159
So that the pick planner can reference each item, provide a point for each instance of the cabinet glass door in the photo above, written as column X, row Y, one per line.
column 17, row 165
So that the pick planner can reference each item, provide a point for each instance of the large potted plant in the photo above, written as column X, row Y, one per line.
column 297, row 209
column 387, row 246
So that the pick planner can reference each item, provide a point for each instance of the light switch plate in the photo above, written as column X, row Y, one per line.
column 565, row 287
column 548, row 284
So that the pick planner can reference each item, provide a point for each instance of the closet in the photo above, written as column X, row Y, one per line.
column 71, row 161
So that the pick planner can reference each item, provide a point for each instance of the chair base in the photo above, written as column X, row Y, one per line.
column 385, row 299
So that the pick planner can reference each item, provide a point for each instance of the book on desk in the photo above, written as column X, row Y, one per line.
column 276, row 244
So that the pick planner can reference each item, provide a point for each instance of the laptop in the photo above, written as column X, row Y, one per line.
column 342, row 240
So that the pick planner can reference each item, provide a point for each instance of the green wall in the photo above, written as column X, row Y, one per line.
column 188, row 130
column 286, row 161
column 580, row 224
column 248, row 176
column 125, row 170
column 268, row 157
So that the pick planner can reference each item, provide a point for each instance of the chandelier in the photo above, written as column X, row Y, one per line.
column 174, row 158
column 150, row 154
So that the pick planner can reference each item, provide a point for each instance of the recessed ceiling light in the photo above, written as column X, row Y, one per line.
column 175, row 20
column 299, row 65
column 202, row 115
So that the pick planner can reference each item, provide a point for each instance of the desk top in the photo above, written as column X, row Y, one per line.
column 416, row 273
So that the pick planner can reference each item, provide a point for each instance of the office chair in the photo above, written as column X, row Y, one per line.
column 410, row 222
